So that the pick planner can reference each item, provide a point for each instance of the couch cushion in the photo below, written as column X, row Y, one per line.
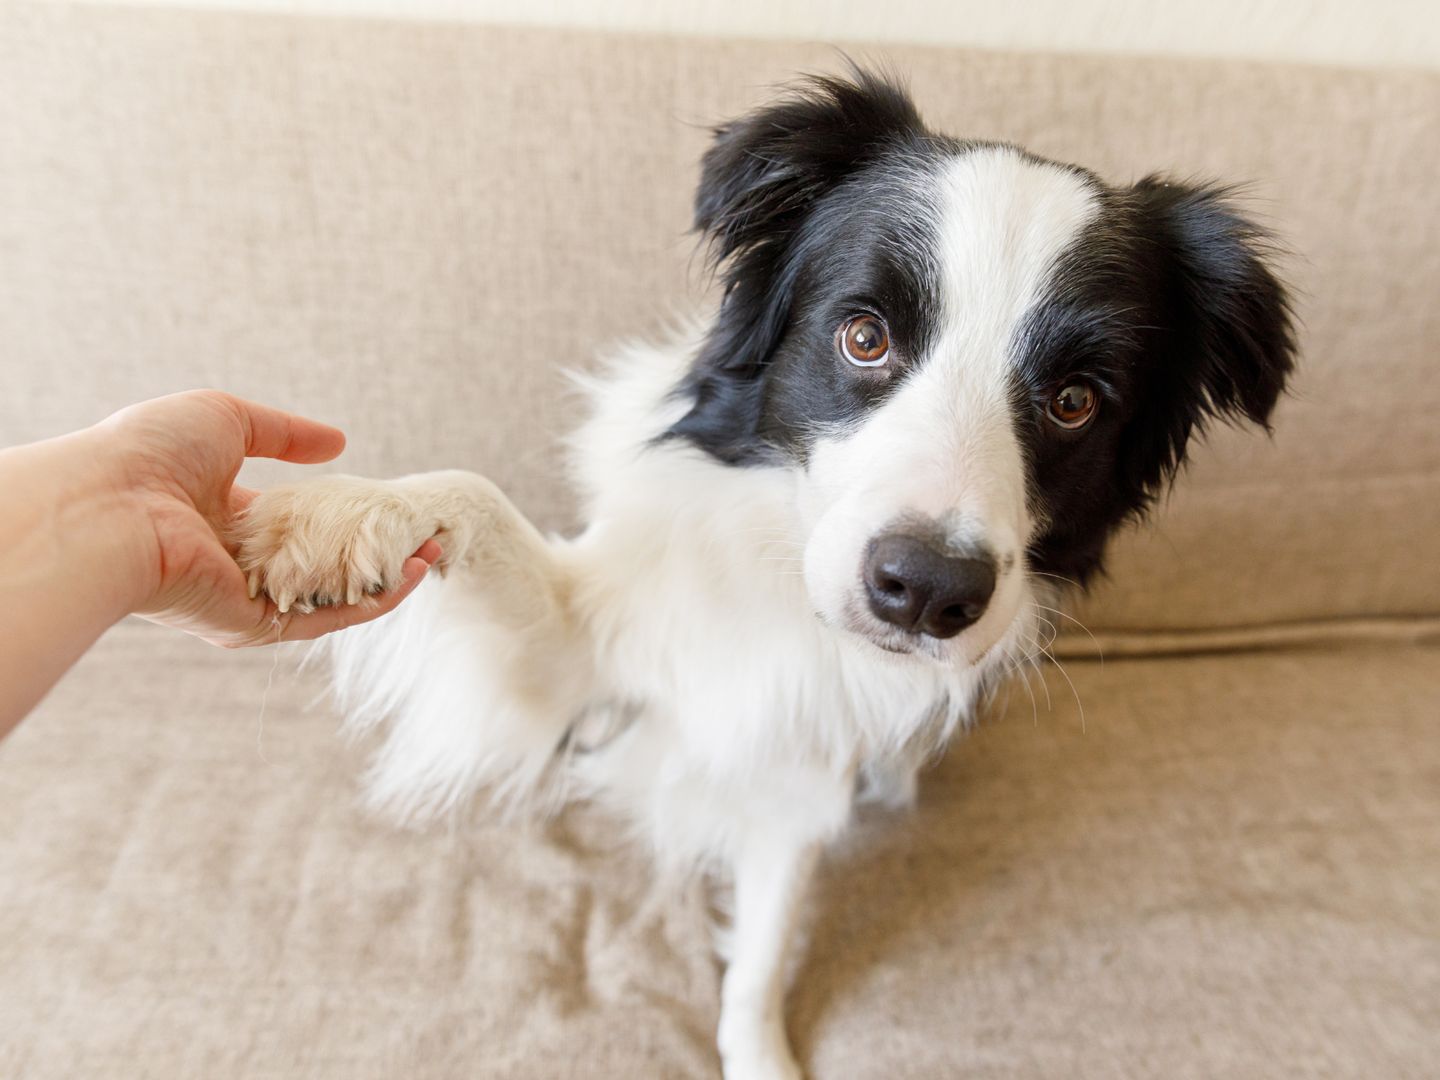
column 1231, row 868
column 409, row 229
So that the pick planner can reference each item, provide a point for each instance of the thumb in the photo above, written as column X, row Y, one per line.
column 274, row 433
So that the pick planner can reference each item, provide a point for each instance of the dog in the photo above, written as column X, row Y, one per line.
column 821, row 523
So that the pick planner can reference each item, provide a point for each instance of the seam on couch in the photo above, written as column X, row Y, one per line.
column 1312, row 633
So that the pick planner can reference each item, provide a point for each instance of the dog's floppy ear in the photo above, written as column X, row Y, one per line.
column 764, row 171
column 1226, row 343
column 760, row 179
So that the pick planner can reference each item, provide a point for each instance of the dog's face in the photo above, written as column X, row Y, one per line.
column 979, row 363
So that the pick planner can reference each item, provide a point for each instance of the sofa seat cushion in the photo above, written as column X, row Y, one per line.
column 1231, row 867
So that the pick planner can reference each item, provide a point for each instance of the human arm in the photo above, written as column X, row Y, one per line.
column 128, row 516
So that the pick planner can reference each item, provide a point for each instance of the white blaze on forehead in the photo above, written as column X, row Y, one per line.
column 1003, row 220
column 944, row 445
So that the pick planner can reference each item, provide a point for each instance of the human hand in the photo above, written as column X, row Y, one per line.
column 169, row 467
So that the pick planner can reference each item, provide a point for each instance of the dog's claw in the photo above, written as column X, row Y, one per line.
column 338, row 542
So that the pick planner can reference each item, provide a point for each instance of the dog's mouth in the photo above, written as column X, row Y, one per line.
column 899, row 643
column 897, row 649
column 887, row 638
column 857, row 623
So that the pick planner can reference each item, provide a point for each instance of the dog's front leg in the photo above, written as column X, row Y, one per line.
column 339, row 538
column 771, row 876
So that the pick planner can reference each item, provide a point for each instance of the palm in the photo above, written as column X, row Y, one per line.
column 198, row 576
column 182, row 454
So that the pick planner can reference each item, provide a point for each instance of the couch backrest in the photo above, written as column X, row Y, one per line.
column 410, row 229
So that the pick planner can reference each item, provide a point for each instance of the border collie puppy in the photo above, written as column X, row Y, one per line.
column 941, row 375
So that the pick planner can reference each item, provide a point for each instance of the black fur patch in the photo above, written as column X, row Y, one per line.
column 1166, row 306
column 813, row 211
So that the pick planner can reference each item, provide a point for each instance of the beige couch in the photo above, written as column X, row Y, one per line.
column 1230, row 868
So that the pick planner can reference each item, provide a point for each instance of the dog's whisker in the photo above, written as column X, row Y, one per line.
column 1099, row 651
column 1031, row 662
column 1066, row 675
column 1044, row 683
column 1053, row 632
column 1034, row 705
column 1058, row 577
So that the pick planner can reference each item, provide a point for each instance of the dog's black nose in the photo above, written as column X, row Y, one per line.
column 915, row 587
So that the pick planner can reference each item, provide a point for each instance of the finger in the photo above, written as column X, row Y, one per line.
column 274, row 433
column 327, row 620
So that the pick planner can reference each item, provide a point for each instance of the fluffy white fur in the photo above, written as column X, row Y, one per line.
column 669, row 661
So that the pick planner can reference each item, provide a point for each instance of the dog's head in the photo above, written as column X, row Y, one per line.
column 978, row 362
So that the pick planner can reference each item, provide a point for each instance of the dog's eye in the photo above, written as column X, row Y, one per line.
column 1074, row 405
column 864, row 340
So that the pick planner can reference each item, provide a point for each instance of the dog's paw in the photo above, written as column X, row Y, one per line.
column 761, row 1066
column 330, row 541
column 755, row 1048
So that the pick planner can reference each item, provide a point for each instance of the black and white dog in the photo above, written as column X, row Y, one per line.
column 941, row 375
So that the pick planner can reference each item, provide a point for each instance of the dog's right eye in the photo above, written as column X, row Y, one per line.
column 864, row 340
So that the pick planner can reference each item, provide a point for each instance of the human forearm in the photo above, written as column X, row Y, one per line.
column 71, row 563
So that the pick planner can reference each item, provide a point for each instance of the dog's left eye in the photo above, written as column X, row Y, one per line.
column 864, row 340
column 1074, row 405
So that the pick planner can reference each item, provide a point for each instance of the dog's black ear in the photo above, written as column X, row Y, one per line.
column 763, row 172
column 760, row 179
column 1225, row 343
